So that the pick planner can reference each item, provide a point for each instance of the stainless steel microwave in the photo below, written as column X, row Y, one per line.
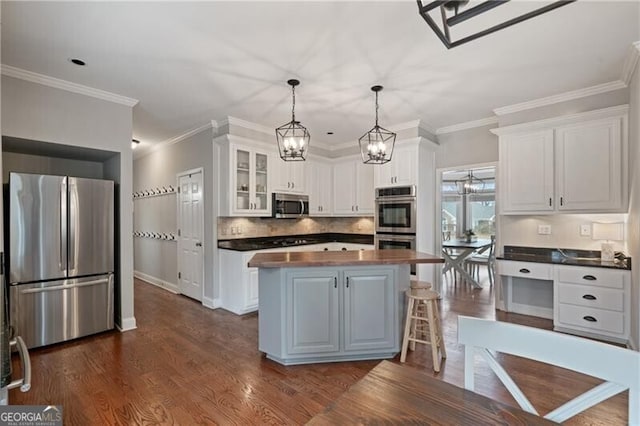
column 289, row 206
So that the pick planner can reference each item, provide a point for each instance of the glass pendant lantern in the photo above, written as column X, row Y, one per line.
column 293, row 138
column 376, row 146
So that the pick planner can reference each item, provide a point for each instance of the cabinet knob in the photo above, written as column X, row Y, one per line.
column 293, row 184
column 589, row 278
column 356, row 208
column 589, row 297
column 589, row 318
column 525, row 271
column 549, row 201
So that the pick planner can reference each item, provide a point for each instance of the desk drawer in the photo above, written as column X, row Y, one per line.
column 591, row 296
column 591, row 318
column 591, row 276
column 537, row 271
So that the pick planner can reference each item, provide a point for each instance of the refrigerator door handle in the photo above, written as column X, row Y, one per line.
column 25, row 382
column 65, row 286
column 63, row 226
column 73, row 217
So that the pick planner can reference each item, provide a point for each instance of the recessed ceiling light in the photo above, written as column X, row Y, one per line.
column 329, row 133
column 78, row 62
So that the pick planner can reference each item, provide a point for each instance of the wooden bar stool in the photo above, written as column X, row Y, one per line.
column 422, row 315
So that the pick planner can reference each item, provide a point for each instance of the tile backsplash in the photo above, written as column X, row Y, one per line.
column 248, row 227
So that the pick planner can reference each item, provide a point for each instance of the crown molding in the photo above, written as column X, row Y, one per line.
column 467, row 125
column 562, row 97
column 68, row 86
column 630, row 62
column 247, row 125
column 155, row 147
column 563, row 120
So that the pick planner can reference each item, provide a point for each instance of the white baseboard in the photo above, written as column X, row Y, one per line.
column 127, row 324
column 211, row 303
column 173, row 288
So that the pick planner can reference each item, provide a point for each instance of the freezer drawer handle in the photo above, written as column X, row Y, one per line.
column 589, row 318
column 589, row 297
column 64, row 287
column 25, row 360
column 589, row 278
column 525, row 270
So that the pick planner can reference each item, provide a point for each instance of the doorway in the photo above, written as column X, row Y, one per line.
column 190, row 233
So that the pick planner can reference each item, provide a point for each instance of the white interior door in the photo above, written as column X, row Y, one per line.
column 190, row 234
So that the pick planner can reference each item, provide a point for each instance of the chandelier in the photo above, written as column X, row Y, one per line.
column 453, row 13
column 376, row 146
column 293, row 138
column 470, row 185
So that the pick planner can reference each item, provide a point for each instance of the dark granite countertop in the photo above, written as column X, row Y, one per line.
column 562, row 256
column 262, row 243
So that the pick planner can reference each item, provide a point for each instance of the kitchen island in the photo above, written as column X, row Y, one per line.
column 333, row 306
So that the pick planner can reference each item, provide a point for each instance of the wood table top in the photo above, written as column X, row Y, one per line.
column 341, row 258
column 399, row 394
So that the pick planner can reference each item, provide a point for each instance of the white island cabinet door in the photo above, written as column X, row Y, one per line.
column 312, row 324
column 369, row 310
column 526, row 172
column 589, row 166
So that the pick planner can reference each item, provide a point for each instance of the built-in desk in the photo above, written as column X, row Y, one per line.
column 333, row 306
column 582, row 294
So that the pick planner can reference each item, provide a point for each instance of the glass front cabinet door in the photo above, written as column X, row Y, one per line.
column 251, row 172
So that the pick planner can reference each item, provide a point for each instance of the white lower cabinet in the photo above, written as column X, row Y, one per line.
column 238, row 282
column 593, row 302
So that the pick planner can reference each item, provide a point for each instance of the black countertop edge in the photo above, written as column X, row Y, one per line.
column 561, row 256
column 262, row 243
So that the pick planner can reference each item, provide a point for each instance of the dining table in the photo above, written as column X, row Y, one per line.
column 463, row 250
column 392, row 393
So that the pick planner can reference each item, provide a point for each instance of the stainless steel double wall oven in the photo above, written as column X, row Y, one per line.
column 396, row 219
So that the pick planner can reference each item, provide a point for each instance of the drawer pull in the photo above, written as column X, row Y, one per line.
column 525, row 271
column 589, row 318
column 589, row 278
column 589, row 297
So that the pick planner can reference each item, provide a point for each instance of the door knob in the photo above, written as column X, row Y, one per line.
column 198, row 244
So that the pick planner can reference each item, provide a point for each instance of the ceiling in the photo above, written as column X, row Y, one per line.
column 188, row 63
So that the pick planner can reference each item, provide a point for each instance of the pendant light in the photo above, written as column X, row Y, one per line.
column 470, row 185
column 376, row 146
column 293, row 138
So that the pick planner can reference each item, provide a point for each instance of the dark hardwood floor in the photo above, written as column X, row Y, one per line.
column 186, row 364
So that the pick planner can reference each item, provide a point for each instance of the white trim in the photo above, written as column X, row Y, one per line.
column 630, row 63
column 210, row 303
column 229, row 120
column 562, row 97
column 139, row 153
column 57, row 83
column 563, row 120
column 128, row 324
column 165, row 285
column 178, row 220
column 467, row 125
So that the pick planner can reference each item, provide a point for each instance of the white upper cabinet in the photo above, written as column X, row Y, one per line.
column 526, row 168
column 289, row 176
column 319, row 187
column 249, row 194
column 353, row 192
column 400, row 171
column 589, row 166
column 577, row 164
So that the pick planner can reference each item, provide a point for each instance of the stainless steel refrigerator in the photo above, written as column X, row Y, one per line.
column 61, row 257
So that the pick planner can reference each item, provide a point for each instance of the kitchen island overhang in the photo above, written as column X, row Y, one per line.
column 333, row 306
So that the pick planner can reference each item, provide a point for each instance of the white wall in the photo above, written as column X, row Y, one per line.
column 42, row 113
column 25, row 163
column 470, row 146
column 157, row 259
column 633, row 229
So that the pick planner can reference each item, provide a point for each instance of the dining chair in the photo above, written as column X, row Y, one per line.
column 618, row 367
column 486, row 257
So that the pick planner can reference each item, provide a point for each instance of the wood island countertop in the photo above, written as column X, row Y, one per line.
column 341, row 258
